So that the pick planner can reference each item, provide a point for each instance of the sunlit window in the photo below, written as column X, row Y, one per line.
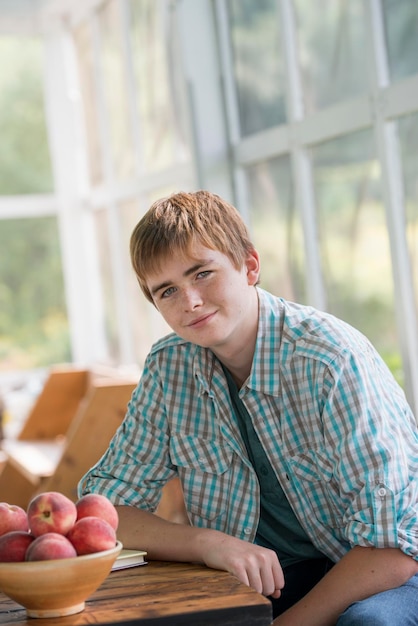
column 257, row 64
column 276, row 228
column 401, row 20
column 332, row 44
column 293, row 110
column 33, row 319
column 24, row 156
column 408, row 131
column 116, row 106
column 84, row 50
column 160, row 88
column 101, row 218
column 354, row 242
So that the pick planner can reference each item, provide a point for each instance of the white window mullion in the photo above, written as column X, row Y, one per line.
column 113, row 222
column 301, row 161
column 230, row 99
column 79, row 256
column 227, row 64
column 29, row 205
column 131, row 91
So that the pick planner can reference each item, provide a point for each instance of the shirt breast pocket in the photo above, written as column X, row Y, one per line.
column 203, row 467
column 313, row 477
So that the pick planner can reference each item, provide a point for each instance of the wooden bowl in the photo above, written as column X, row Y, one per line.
column 58, row 587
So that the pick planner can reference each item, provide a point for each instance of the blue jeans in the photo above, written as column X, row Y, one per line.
column 396, row 607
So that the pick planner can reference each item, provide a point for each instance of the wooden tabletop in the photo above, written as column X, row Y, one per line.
column 160, row 594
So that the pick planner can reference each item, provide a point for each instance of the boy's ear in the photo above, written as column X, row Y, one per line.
column 252, row 263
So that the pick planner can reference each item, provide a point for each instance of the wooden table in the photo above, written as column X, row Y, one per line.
column 160, row 594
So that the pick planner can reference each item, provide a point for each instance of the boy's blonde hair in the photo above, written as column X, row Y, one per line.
column 174, row 224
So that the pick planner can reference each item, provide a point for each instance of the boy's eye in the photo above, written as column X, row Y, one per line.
column 167, row 292
column 203, row 274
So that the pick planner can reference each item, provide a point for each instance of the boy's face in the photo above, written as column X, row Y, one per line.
column 206, row 300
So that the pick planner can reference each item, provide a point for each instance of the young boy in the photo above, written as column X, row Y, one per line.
column 296, row 450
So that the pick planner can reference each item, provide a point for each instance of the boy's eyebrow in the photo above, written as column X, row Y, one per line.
column 186, row 273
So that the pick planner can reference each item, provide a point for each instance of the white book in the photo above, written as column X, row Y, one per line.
column 129, row 558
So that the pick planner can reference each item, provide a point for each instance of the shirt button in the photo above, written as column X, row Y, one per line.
column 247, row 531
column 381, row 491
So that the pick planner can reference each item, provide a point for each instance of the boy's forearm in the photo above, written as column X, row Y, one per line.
column 165, row 540
column 254, row 565
column 361, row 573
column 162, row 540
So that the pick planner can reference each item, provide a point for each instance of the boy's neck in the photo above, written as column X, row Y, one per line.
column 239, row 362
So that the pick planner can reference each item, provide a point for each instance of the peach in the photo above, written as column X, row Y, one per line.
column 96, row 505
column 92, row 534
column 50, row 546
column 51, row 512
column 12, row 517
column 14, row 545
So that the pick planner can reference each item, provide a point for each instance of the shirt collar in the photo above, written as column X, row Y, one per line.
column 265, row 370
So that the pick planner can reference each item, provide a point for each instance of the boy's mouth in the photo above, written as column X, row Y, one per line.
column 200, row 321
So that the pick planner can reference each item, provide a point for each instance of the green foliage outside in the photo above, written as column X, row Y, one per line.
column 24, row 155
column 33, row 322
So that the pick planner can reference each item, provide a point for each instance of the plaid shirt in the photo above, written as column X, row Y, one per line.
column 335, row 426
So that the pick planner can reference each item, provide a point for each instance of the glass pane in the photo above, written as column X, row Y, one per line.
column 115, row 87
column 146, row 323
column 408, row 133
column 332, row 43
column 276, row 228
column 401, row 23
column 106, row 280
column 84, row 49
column 33, row 322
column 354, row 242
column 24, row 154
column 258, row 64
column 159, row 83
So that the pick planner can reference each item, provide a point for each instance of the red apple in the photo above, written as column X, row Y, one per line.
column 13, row 546
column 12, row 517
column 96, row 505
column 92, row 534
column 51, row 512
column 50, row 546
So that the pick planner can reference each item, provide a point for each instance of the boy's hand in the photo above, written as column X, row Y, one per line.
column 253, row 565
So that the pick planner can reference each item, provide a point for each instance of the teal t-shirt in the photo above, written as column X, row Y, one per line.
column 278, row 527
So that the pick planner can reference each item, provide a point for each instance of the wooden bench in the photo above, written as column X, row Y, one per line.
column 66, row 432
column 33, row 454
column 100, row 414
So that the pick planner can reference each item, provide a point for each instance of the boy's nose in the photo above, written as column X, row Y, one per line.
column 191, row 299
